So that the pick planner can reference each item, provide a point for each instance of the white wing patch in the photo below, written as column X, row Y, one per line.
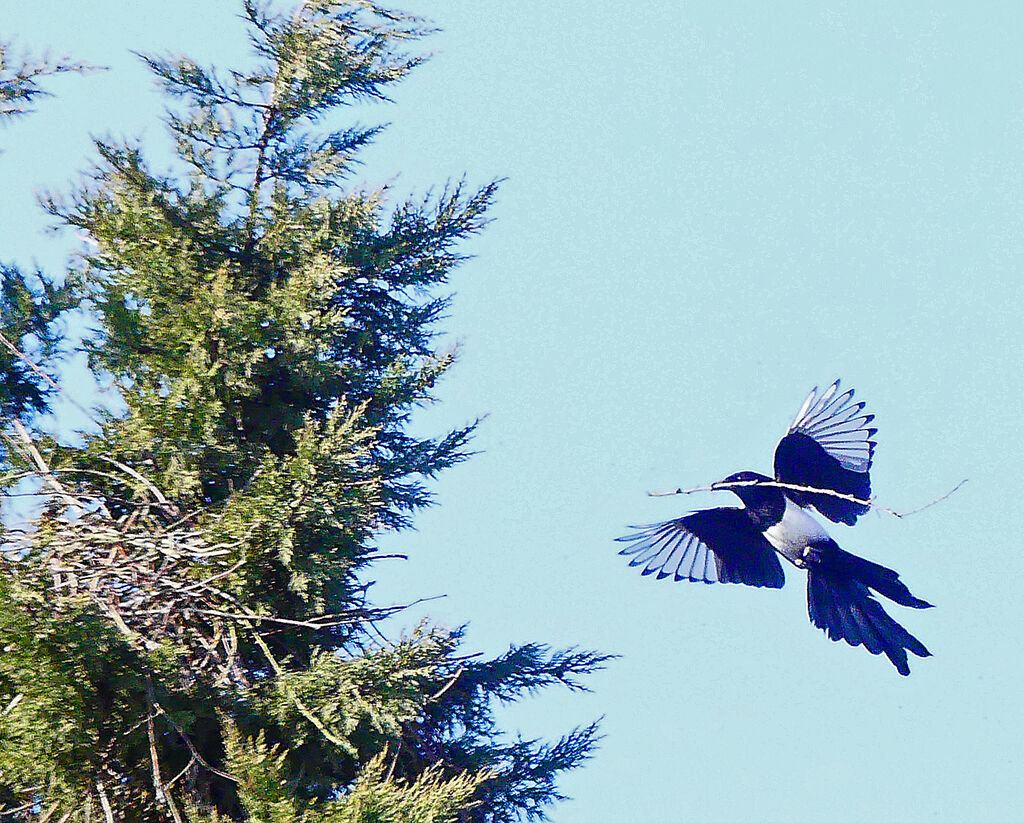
column 835, row 422
column 670, row 550
column 795, row 532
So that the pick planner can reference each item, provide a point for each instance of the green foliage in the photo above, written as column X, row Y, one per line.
column 186, row 629
column 19, row 79
column 71, row 686
column 28, row 309
column 373, row 797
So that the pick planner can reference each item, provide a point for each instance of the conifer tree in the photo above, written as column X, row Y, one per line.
column 186, row 629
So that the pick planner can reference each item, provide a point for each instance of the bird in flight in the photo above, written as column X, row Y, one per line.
column 829, row 447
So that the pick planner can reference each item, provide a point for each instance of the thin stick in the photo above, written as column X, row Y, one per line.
column 793, row 487
column 304, row 710
column 131, row 472
column 49, row 812
column 394, row 761
column 451, row 682
column 191, row 746
column 162, row 793
column 324, row 621
column 192, row 761
column 107, row 811
column 936, row 500
column 44, row 469
column 46, row 378
column 24, row 807
column 305, row 624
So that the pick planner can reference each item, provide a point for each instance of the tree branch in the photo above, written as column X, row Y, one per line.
column 49, row 381
column 159, row 788
column 302, row 707
column 104, row 802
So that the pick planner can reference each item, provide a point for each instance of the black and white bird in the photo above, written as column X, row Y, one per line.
column 829, row 446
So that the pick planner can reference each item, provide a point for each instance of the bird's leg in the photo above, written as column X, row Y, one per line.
column 796, row 560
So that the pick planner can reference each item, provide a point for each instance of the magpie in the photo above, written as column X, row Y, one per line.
column 829, row 446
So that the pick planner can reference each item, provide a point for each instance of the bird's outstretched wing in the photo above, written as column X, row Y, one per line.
column 840, row 603
column 829, row 446
column 714, row 545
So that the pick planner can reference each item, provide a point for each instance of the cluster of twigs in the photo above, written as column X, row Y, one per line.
column 150, row 571
column 156, row 583
column 162, row 581
column 159, row 579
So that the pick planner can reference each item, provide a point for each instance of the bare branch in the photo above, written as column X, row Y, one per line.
column 451, row 682
column 191, row 747
column 50, row 812
column 49, row 381
column 44, row 470
column 159, row 788
column 933, row 502
column 107, row 811
column 130, row 471
column 13, row 704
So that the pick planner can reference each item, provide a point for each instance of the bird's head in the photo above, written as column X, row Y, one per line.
column 727, row 483
column 767, row 501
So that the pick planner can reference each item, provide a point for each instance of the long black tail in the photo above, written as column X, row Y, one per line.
column 839, row 602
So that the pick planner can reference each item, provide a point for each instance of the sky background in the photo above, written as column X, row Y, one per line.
column 710, row 207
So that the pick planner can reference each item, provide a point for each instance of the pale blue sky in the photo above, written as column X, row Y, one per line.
column 710, row 208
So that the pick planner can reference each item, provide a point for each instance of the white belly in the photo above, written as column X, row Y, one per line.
column 797, row 529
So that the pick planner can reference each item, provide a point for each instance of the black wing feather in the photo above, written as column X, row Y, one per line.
column 684, row 548
column 799, row 460
column 829, row 446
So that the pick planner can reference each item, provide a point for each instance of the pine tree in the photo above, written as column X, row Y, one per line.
column 186, row 630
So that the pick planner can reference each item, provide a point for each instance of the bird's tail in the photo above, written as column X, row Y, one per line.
column 840, row 603
column 884, row 581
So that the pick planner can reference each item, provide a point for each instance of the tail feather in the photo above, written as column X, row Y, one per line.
column 840, row 603
column 857, row 626
column 884, row 581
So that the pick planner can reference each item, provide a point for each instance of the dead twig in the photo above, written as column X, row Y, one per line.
column 184, row 770
column 46, row 378
column 933, row 502
column 50, row 812
column 723, row 486
column 44, row 470
column 104, row 802
column 24, row 807
column 191, row 746
column 134, row 474
column 451, row 682
column 159, row 788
